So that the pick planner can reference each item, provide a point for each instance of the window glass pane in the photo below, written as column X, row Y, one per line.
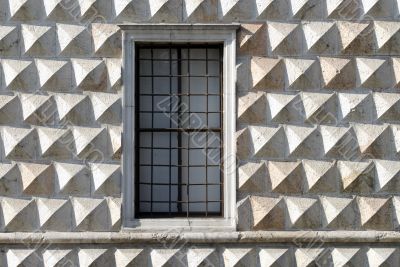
column 161, row 85
column 145, row 85
column 213, row 53
column 144, row 53
column 198, row 85
column 145, row 103
column 161, row 67
column 161, row 53
column 198, row 104
column 160, row 156
column 197, row 67
column 213, row 103
column 213, row 68
column 145, row 67
column 213, row 85
column 197, row 53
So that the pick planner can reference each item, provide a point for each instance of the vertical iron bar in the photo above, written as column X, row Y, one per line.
column 179, row 133
column 152, row 134
column 207, row 133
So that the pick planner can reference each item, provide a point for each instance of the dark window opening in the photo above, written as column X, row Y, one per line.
column 179, row 141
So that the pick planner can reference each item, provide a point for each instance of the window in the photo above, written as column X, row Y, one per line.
column 179, row 126
column 179, row 130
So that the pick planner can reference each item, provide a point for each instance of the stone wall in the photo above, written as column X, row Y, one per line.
column 318, row 133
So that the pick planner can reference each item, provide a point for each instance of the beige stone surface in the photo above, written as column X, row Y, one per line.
column 318, row 128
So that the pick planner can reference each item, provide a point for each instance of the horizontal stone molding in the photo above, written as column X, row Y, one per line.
column 294, row 237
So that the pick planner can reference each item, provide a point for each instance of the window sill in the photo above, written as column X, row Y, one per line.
column 181, row 225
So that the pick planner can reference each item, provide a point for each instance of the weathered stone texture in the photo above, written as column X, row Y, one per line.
column 318, row 125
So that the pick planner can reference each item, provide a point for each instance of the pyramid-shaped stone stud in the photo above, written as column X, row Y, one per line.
column 56, row 9
column 8, row 108
column 15, row 72
column 252, row 177
column 387, row 176
column 316, row 106
column 298, row 7
column 333, row 138
column 338, row 213
column 386, row 105
column 162, row 10
column 232, row 256
column 318, row 37
column 37, row 40
column 356, row 176
column 86, row 7
column 267, row 141
column 270, row 257
column 252, row 39
column 72, row 40
column 8, row 38
column 106, row 39
column 50, row 70
column 260, row 213
column 396, row 211
column 337, row 72
column 285, row 177
column 281, row 35
column 37, row 179
column 226, row 7
column 252, row 108
column 342, row 257
column 377, row 8
column 87, row 70
column 320, row 176
column 91, row 256
column 18, row 214
column 89, row 214
column 31, row 103
column 72, row 179
column 115, row 135
column 10, row 179
column 302, row 213
column 308, row 256
column 266, row 73
column 114, row 210
column 161, row 256
column 396, row 134
column 263, row 6
column 375, row 213
column 296, row 137
column 396, row 70
column 57, row 257
column 21, row 257
column 371, row 72
column 244, row 144
column 385, row 31
column 103, row 102
column 20, row 142
column 377, row 256
column 85, row 137
column 197, row 256
column 106, row 179
column 125, row 257
column 278, row 104
column 349, row 32
column 350, row 104
column 53, row 141
column 114, row 76
column 367, row 135
column 67, row 103
column 54, row 214
column 190, row 7
column 301, row 73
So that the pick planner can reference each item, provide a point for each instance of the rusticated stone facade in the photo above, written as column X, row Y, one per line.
column 318, row 134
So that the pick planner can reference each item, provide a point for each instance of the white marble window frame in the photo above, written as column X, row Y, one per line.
column 180, row 33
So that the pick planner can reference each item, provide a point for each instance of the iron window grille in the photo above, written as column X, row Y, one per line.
column 179, row 146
